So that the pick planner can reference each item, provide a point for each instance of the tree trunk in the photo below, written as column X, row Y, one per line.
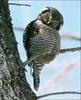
column 13, row 84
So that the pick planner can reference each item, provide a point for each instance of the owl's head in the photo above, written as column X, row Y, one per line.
column 51, row 17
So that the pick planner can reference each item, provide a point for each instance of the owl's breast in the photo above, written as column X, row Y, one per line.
column 45, row 45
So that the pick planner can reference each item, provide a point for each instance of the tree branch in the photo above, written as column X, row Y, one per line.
column 59, row 93
column 18, row 28
column 70, row 49
column 70, row 36
column 61, row 51
column 56, row 77
column 62, row 35
column 19, row 4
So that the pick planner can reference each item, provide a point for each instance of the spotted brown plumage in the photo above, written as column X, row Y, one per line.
column 42, row 41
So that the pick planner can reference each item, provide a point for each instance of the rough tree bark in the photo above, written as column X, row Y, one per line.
column 13, row 84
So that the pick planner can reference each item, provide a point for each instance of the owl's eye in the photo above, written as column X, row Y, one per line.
column 56, row 23
column 59, row 25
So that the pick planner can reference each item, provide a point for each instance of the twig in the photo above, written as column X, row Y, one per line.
column 60, row 74
column 59, row 93
column 70, row 49
column 18, row 28
column 70, row 36
column 19, row 4
column 63, row 35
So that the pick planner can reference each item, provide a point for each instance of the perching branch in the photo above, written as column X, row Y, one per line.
column 61, row 51
column 19, row 4
column 59, row 93
column 70, row 49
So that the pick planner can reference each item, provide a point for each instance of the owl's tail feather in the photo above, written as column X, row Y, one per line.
column 36, row 78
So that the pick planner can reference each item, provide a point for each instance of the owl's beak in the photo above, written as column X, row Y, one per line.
column 49, row 21
column 50, row 17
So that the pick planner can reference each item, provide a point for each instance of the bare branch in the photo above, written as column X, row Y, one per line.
column 18, row 28
column 70, row 36
column 61, row 74
column 70, row 49
column 62, row 35
column 19, row 4
column 59, row 93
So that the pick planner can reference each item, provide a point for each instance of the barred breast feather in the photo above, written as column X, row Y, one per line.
column 41, row 43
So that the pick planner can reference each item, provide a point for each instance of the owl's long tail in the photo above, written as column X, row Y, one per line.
column 36, row 72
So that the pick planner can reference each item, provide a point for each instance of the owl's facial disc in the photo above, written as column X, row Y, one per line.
column 51, row 17
column 55, row 19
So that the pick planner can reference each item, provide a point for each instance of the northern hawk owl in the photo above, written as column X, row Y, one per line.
column 42, row 41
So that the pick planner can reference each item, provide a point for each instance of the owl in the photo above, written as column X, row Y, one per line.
column 42, row 41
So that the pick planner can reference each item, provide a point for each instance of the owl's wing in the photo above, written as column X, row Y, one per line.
column 28, row 33
column 39, row 39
